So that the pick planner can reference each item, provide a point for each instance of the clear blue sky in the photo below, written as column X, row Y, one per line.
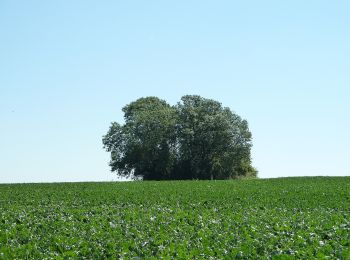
column 68, row 67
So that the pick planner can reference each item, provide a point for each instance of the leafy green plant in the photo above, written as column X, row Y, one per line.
column 288, row 218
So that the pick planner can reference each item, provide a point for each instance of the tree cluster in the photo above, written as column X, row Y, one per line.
column 195, row 139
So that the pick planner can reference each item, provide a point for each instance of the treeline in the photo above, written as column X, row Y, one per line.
column 195, row 139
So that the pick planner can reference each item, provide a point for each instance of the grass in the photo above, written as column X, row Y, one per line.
column 283, row 218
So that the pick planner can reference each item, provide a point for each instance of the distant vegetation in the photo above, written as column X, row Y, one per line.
column 196, row 139
column 291, row 218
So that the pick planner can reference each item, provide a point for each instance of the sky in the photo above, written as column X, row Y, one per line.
column 68, row 67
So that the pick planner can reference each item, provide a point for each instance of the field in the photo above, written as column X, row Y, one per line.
column 283, row 218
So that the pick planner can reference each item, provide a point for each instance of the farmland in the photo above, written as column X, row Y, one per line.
column 273, row 218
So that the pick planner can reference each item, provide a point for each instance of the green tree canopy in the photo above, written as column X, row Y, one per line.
column 196, row 139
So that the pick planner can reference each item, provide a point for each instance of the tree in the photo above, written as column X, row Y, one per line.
column 196, row 139
column 144, row 145
column 214, row 142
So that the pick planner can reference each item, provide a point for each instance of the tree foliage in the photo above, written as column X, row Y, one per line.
column 196, row 139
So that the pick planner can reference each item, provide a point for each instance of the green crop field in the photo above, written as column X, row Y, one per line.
column 276, row 218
